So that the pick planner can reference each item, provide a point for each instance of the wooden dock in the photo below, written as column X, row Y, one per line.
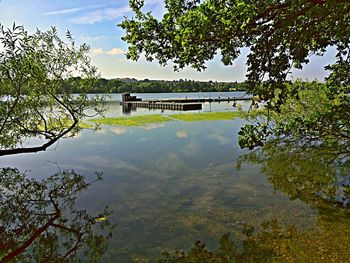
column 163, row 105
column 130, row 103
column 199, row 100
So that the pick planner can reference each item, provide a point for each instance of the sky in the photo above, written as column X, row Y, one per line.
column 95, row 22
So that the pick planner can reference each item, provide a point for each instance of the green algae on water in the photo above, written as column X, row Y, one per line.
column 207, row 116
column 132, row 120
column 149, row 119
column 65, row 125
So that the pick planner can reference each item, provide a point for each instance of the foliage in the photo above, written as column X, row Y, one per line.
column 191, row 32
column 315, row 111
column 280, row 35
column 251, row 136
column 311, row 111
column 36, row 88
column 38, row 220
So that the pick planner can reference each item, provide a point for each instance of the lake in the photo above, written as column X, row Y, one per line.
column 171, row 184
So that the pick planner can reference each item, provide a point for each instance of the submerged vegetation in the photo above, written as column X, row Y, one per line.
column 148, row 119
column 131, row 121
column 207, row 116
column 316, row 174
column 274, row 243
column 64, row 123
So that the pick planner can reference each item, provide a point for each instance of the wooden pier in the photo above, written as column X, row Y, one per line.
column 199, row 100
column 130, row 103
column 163, row 105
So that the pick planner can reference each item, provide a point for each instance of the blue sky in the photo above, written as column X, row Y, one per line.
column 95, row 22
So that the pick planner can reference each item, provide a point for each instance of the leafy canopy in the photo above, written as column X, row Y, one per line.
column 311, row 112
column 280, row 35
column 37, row 76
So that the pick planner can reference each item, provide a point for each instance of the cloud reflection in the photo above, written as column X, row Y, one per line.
column 118, row 130
column 182, row 134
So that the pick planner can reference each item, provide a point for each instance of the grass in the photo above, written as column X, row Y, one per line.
column 84, row 125
column 148, row 119
column 207, row 116
column 65, row 125
column 132, row 120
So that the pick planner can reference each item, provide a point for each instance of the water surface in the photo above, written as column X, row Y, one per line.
column 170, row 184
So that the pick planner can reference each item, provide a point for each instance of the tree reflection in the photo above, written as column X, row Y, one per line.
column 39, row 221
column 317, row 174
column 274, row 243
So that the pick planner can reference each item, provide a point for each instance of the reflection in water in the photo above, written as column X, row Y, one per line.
column 318, row 175
column 182, row 134
column 127, row 108
column 39, row 221
column 167, row 191
column 274, row 243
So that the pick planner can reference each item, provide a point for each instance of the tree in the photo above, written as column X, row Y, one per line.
column 36, row 83
column 281, row 35
column 38, row 219
column 311, row 112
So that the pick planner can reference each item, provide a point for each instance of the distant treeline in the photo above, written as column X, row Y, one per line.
column 153, row 86
column 78, row 85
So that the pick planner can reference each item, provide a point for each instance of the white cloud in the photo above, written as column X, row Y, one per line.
column 101, row 15
column 96, row 51
column 116, row 51
column 108, row 14
column 152, row 2
column 97, row 38
column 92, row 38
column 70, row 10
column 112, row 52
